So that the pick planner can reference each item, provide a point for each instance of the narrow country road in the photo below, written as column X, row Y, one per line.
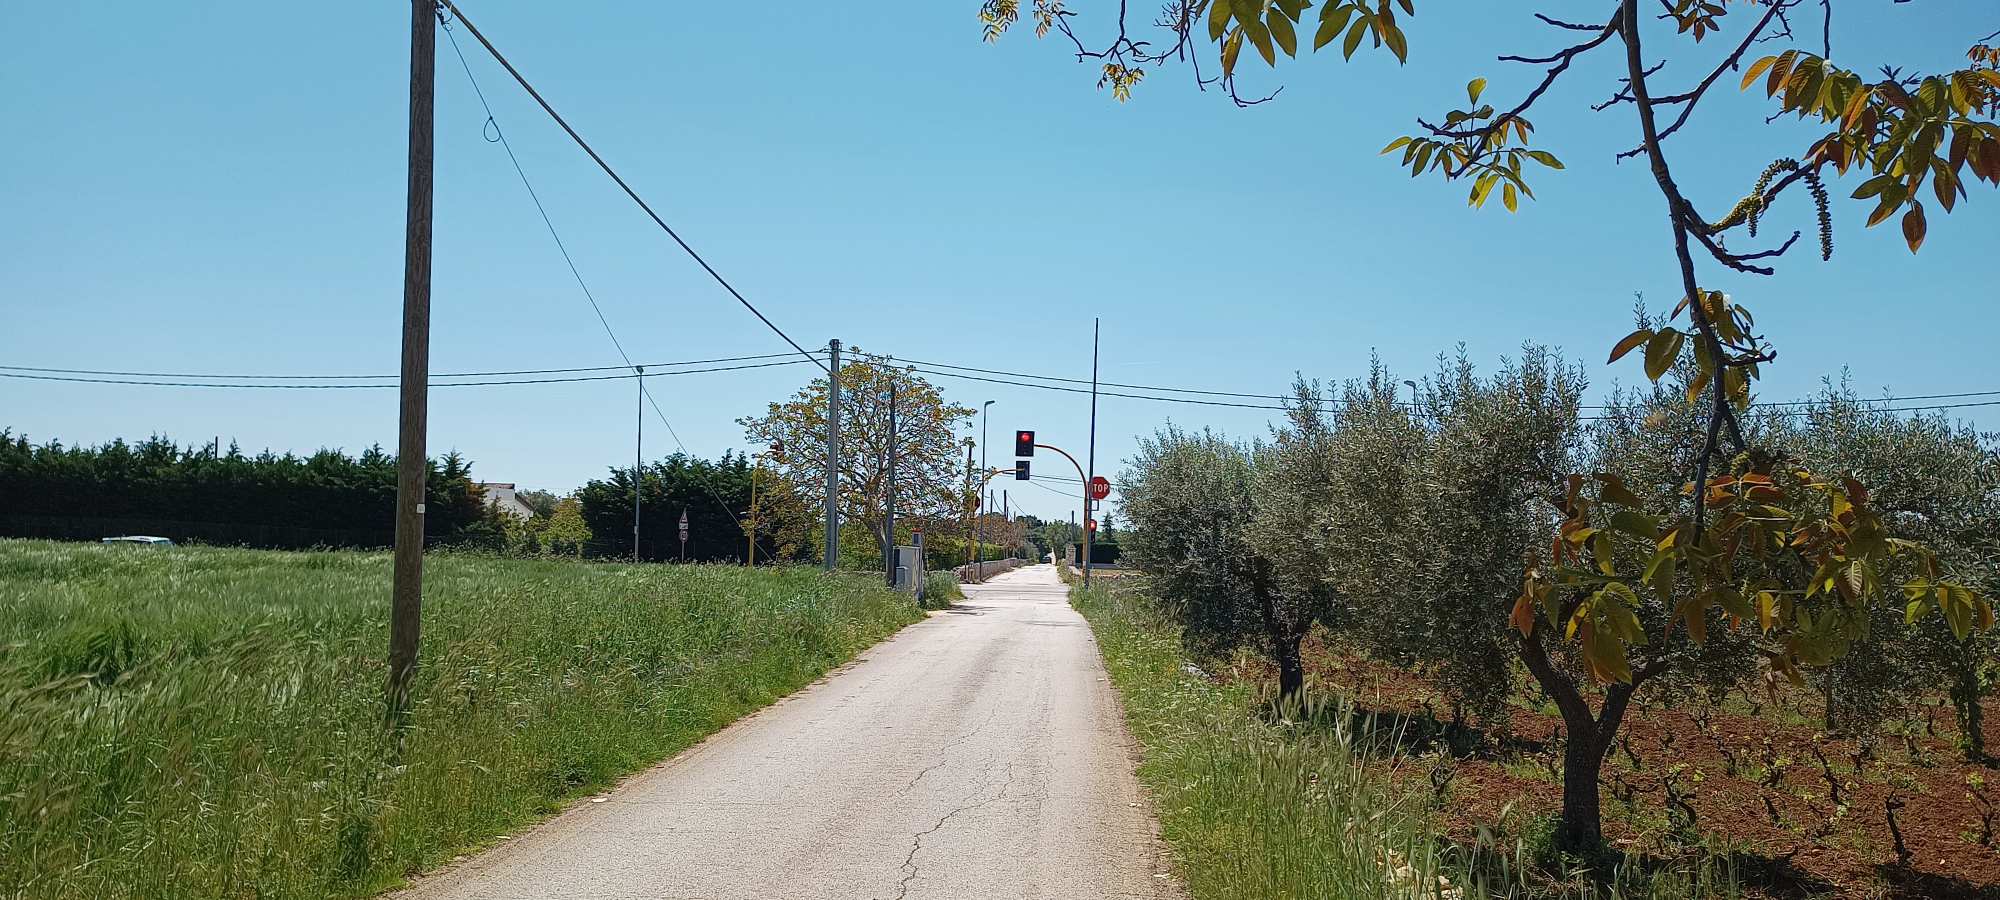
column 978, row 754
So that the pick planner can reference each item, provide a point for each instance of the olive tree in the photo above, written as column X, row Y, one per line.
column 1821, row 550
column 1190, row 499
column 1937, row 483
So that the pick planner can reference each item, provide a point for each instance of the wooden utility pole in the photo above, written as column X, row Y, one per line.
column 889, row 505
column 406, row 595
column 833, row 457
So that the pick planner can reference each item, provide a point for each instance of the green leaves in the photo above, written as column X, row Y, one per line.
column 1895, row 131
column 1661, row 350
column 1473, row 89
column 1359, row 22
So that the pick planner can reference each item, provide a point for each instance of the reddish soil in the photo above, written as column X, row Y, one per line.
column 1808, row 815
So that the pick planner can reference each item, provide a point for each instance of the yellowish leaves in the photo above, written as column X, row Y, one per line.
column 1896, row 131
column 1120, row 79
column 1661, row 350
column 1629, row 343
column 1824, row 527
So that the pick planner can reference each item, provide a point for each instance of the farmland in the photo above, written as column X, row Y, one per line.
column 199, row 722
column 1743, row 797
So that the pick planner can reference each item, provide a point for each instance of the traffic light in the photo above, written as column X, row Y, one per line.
column 1021, row 470
column 1024, row 443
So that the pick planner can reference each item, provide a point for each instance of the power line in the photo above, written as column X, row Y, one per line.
column 357, row 386
column 580, row 142
column 351, row 377
column 500, row 137
column 934, row 366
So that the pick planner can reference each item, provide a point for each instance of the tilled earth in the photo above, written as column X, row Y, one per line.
column 1809, row 815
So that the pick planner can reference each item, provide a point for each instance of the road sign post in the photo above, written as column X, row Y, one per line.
column 684, row 535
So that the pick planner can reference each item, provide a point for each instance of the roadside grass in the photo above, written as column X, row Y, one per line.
column 193, row 722
column 941, row 590
column 1256, row 808
column 1321, row 800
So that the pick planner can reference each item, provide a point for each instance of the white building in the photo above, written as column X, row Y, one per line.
column 506, row 499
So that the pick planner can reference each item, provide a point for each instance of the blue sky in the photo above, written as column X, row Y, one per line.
column 188, row 187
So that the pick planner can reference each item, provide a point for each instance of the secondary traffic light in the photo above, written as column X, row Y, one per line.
column 1021, row 470
column 1024, row 443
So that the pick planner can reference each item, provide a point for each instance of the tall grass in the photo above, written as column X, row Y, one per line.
column 207, row 723
column 1257, row 804
column 1256, row 808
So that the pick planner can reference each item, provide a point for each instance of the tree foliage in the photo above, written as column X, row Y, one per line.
column 929, row 467
column 715, row 495
column 1800, row 557
column 226, row 496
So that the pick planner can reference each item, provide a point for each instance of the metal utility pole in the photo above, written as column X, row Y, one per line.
column 833, row 457
column 889, row 505
column 638, row 459
column 1089, row 505
column 979, row 544
column 966, row 504
column 407, row 592
column 750, row 517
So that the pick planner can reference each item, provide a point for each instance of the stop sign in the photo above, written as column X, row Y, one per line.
column 1100, row 488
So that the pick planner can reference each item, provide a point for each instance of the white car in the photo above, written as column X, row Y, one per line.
column 140, row 539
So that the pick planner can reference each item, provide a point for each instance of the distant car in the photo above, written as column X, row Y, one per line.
column 140, row 539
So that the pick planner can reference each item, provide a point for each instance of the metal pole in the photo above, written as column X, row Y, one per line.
column 833, row 458
column 406, row 596
column 979, row 517
column 1089, row 505
column 966, row 504
column 750, row 518
column 889, row 506
column 638, row 460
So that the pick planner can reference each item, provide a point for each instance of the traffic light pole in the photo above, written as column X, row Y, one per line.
column 1079, row 474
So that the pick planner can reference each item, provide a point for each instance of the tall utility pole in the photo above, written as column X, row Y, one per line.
column 638, row 459
column 1089, row 505
column 407, row 591
column 979, row 544
column 966, row 503
column 833, row 457
column 889, row 505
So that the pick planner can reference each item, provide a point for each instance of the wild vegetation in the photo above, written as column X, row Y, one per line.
column 198, row 723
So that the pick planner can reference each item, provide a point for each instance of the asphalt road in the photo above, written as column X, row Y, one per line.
column 977, row 754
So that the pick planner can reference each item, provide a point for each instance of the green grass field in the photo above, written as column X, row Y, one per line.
column 195, row 722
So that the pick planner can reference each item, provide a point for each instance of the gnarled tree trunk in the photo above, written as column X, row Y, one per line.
column 1590, row 736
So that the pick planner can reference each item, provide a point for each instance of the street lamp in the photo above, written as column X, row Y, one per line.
column 979, row 545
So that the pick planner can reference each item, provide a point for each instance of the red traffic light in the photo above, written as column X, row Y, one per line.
column 1090, row 525
column 1024, row 443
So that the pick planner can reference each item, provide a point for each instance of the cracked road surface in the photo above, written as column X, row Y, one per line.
column 977, row 754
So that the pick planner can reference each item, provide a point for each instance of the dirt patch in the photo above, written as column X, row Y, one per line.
column 1805, row 814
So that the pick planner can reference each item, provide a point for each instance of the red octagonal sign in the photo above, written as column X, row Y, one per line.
column 1100, row 488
